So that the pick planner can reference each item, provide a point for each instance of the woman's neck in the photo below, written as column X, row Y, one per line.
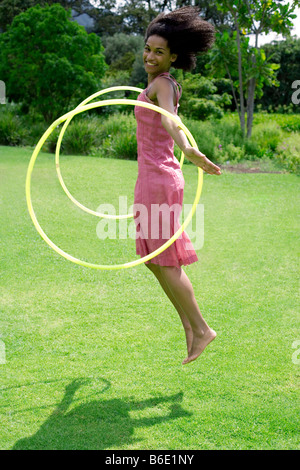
column 153, row 77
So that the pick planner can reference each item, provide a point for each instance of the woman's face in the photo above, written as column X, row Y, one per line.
column 157, row 56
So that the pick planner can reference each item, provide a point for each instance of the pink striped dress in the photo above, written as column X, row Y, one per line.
column 158, row 194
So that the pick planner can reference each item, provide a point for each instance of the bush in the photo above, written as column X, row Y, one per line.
column 230, row 153
column 50, row 144
column 287, row 122
column 228, row 130
column 12, row 130
column 46, row 60
column 117, row 137
column 126, row 146
column 117, row 123
column 204, row 134
column 288, row 153
column 220, row 140
column 267, row 135
column 81, row 136
column 114, row 136
column 201, row 99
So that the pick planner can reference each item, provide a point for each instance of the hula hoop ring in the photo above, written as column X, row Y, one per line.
column 37, row 150
column 58, row 146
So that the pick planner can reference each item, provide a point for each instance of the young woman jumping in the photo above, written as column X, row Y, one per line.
column 172, row 40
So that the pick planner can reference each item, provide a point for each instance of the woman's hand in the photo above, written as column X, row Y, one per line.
column 200, row 160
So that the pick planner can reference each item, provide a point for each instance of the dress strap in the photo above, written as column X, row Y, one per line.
column 175, row 83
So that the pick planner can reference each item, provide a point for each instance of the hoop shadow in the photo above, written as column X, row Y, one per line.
column 99, row 424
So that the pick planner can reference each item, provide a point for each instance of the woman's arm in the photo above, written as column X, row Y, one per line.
column 163, row 90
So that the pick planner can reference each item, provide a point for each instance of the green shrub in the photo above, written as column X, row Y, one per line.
column 200, row 108
column 12, row 130
column 287, row 122
column 126, row 146
column 229, row 153
column 201, row 99
column 50, row 144
column 267, row 135
column 288, row 153
column 117, row 135
column 81, row 136
column 252, row 149
column 204, row 134
column 220, row 140
column 228, row 130
column 114, row 136
column 117, row 123
column 34, row 132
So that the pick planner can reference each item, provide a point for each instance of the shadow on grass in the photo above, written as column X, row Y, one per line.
column 99, row 424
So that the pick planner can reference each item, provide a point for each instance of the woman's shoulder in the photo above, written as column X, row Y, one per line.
column 166, row 76
column 164, row 80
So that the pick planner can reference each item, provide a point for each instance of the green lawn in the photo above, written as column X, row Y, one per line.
column 93, row 358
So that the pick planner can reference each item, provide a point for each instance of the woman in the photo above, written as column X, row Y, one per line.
column 171, row 39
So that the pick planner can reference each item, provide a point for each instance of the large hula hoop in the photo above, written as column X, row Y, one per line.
column 58, row 147
column 37, row 150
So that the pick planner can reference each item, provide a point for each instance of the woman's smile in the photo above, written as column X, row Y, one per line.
column 157, row 55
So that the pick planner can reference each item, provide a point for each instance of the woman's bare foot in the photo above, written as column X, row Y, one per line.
column 199, row 344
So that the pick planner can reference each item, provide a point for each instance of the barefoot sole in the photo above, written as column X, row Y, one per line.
column 207, row 342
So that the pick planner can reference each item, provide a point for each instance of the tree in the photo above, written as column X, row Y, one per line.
column 287, row 55
column 47, row 61
column 119, row 44
column 200, row 98
column 255, row 17
column 136, row 15
column 9, row 9
column 224, row 61
column 124, row 52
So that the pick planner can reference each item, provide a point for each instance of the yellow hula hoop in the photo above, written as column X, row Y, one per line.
column 37, row 150
column 58, row 147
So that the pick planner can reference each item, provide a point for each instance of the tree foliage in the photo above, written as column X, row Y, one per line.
column 9, row 9
column 124, row 53
column 223, row 60
column 255, row 17
column 200, row 97
column 43, row 76
column 46, row 60
column 287, row 55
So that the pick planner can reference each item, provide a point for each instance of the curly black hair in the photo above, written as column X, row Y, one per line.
column 186, row 33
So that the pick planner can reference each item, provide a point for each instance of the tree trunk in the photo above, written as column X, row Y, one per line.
column 242, row 104
column 250, row 105
column 251, row 93
column 233, row 91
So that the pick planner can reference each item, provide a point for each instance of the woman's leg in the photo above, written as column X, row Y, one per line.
column 182, row 290
column 185, row 322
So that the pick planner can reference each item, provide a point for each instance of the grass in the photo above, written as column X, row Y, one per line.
column 93, row 358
